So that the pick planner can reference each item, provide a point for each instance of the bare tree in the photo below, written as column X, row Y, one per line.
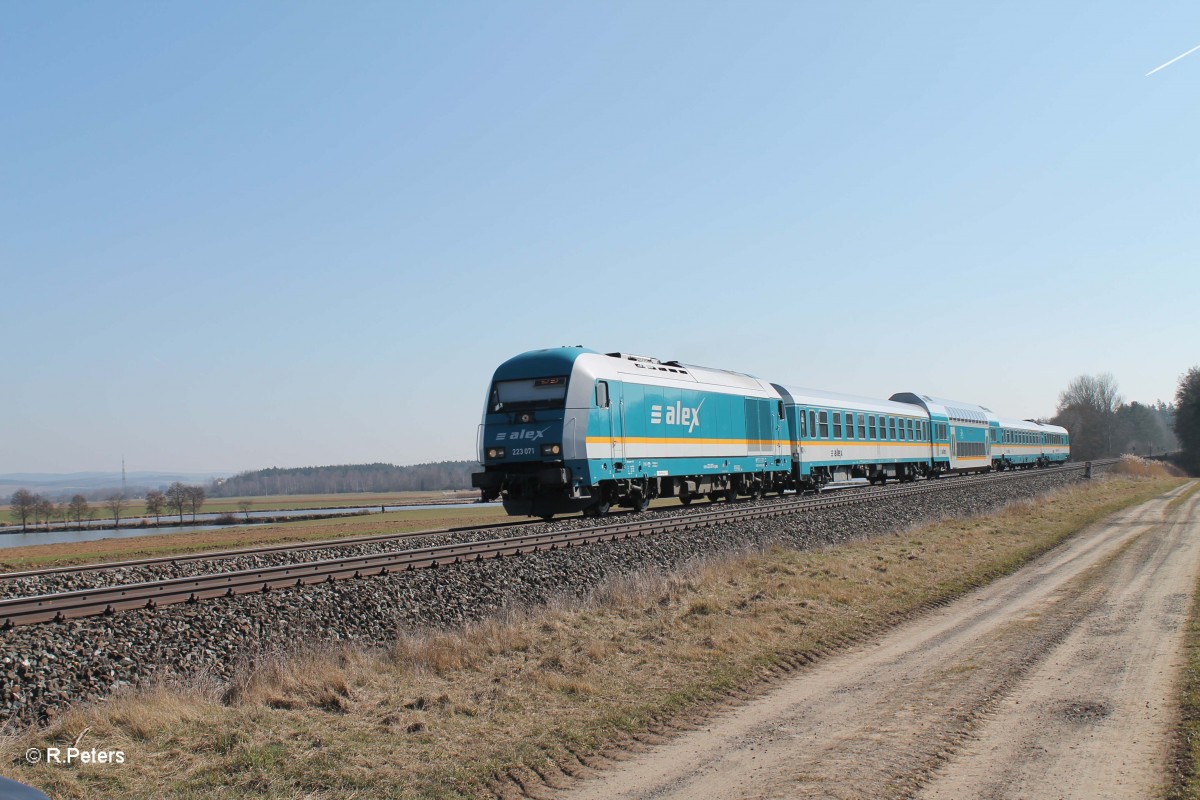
column 1088, row 408
column 23, row 505
column 114, row 503
column 195, row 499
column 244, row 507
column 43, row 508
column 177, row 498
column 79, row 508
column 156, row 501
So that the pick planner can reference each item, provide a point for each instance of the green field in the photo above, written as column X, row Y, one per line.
column 290, row 502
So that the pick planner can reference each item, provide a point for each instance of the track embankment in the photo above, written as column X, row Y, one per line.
column 528, row 702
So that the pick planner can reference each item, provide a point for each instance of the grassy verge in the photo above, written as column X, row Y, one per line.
column 291, row 502
column 458, row 713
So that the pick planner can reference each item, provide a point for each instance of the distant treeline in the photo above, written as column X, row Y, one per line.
column 1102, row 424
column 348, row 478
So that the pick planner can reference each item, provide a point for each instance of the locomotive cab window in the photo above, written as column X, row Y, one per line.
column 529, row 393
column 602, row 394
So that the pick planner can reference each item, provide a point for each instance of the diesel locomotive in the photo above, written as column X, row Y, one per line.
column 572, row 430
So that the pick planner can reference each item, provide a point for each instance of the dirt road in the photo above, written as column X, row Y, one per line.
column 1055, row 682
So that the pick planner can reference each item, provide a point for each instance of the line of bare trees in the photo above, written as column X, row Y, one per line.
column 1102, row 424
column 29, row 508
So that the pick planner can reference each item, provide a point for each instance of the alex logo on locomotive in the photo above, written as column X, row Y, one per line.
column 528, row 434
column 677, row 414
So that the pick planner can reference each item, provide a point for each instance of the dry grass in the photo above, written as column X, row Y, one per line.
column 1137, row 467
column 450, row 714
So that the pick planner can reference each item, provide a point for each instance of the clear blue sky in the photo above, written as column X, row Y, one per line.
column 242, row 235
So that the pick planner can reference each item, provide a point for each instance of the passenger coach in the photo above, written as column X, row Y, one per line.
column 839, row 437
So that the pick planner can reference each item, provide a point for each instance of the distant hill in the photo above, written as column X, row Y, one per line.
column 347, row 478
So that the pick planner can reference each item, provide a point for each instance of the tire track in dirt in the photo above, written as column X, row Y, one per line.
column 1055, row 681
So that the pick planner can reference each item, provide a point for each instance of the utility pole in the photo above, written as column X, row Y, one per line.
column 123, row 492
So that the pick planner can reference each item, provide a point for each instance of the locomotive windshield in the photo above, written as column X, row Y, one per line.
column 529, row 393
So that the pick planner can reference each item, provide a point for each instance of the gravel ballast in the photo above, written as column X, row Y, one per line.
column 47, row 667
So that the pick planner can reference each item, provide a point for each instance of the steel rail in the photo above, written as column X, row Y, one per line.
column 152, row 594
column 217, row 555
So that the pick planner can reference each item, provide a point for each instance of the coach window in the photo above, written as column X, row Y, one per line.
column 602, row 394
column 892, row 428
column 824, row 424
column 862, row 426
column 837, row 424
column 812, row 424
column 909, row 425
column 849, row 425
column 803, row 422
column 870, row 427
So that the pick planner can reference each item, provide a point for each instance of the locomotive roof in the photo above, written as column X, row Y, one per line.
column 546, row 363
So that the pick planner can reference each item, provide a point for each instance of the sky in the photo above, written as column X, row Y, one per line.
column 242, row 235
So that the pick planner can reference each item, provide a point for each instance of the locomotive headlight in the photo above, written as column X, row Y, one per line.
column 495, row 452
column 526, row 417
column 551, row 449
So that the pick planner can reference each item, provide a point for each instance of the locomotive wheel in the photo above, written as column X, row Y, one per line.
column 597, row 509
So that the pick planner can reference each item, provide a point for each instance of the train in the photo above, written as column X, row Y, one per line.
column 571, row 430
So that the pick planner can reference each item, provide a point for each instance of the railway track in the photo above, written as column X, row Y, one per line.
column 153, row 594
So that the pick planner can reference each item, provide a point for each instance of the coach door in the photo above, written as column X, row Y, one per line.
column 953, row 448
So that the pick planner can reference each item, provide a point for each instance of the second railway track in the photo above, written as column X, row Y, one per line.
column 150, row 594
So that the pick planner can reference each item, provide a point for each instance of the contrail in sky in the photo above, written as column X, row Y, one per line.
column 1173, row 60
